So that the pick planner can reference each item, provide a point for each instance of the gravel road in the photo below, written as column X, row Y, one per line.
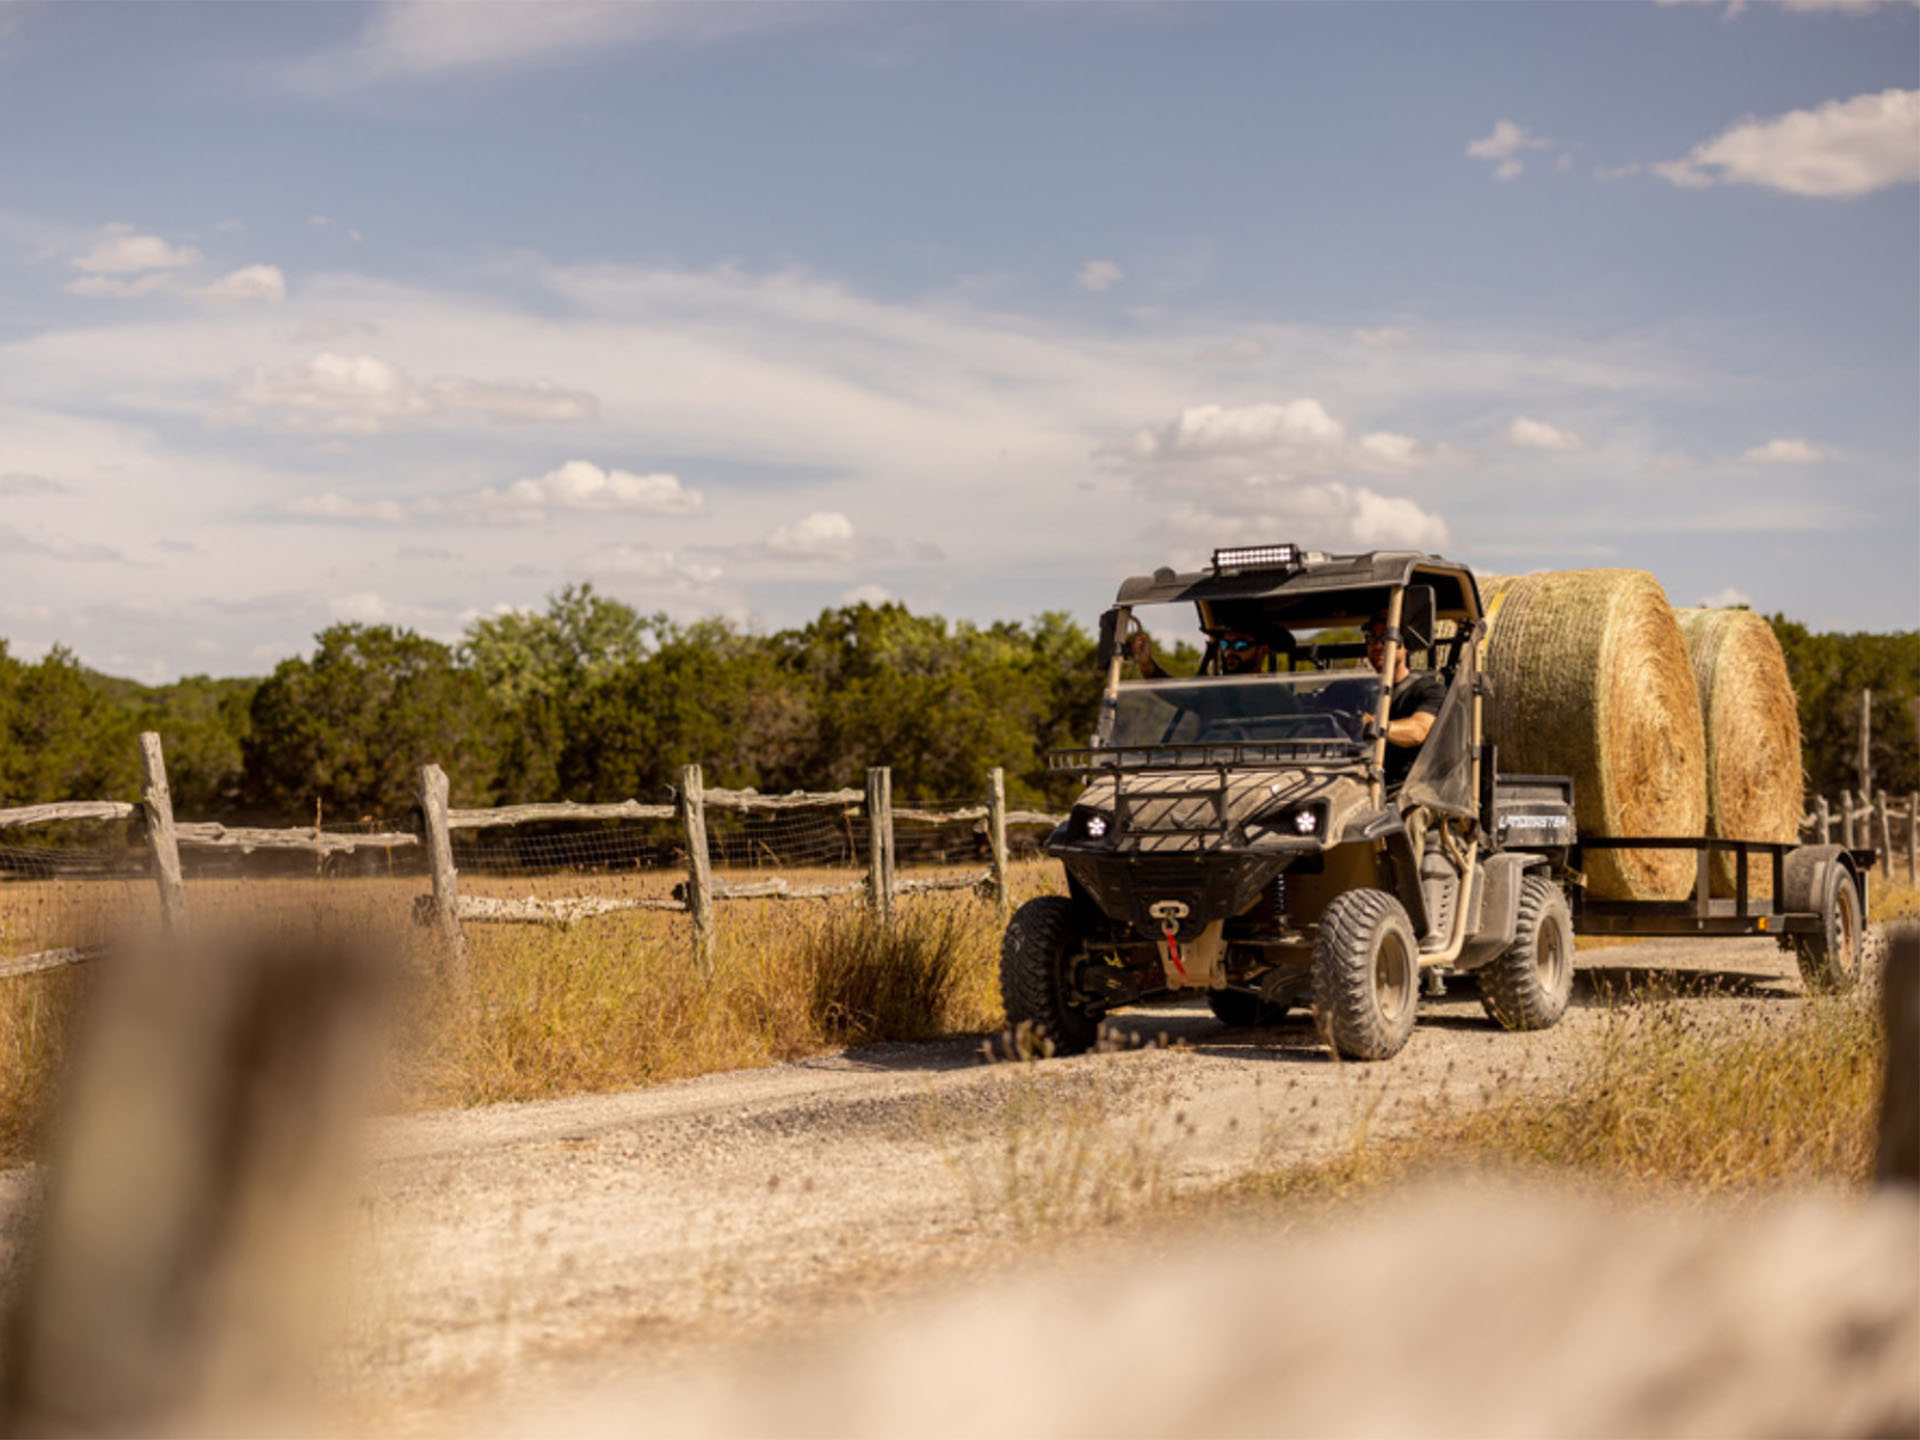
column 521, row 1240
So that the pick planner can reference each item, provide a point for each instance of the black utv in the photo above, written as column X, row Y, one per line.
column 1238, row 833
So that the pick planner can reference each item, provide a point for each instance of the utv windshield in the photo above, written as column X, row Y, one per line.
column 1210, row 710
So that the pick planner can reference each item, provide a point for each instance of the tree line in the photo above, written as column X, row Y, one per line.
column 590, row 700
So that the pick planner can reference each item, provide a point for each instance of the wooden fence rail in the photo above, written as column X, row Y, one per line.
column 447, row 910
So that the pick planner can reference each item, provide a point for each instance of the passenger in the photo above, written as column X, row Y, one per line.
column 1240, row 654
column 1417, row 696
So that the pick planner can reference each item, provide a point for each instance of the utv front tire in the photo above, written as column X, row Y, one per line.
column 1366, row 976
column 1040, row 940
column 1527, row 987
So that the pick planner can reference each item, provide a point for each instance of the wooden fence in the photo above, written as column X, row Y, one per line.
column 1864, row 822
column 447, row 910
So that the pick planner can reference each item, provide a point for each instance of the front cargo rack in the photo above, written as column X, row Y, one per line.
column 1097, row 759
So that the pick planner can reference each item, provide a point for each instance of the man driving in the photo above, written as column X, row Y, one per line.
column 1417, row 696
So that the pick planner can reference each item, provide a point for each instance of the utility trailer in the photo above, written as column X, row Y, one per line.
column 1244, row 833
column 1816, row 907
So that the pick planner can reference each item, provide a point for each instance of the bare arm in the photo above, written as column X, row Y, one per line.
column 1411, row 731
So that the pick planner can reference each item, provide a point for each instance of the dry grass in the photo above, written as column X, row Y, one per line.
column 1662, row 1101
column 622, row 1001
column 614, row 1002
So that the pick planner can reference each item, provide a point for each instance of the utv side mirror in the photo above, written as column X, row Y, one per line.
column 1416, row 618
column 1109, row 635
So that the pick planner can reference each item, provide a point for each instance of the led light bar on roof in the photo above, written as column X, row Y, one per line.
column 1255, row 557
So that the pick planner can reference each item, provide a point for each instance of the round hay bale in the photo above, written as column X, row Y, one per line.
column 1590, row 679
column 1754, row 789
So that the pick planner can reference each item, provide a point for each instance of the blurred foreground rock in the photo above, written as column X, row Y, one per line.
column 1457, row 1311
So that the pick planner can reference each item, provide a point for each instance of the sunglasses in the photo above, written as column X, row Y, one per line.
column 1240, row 644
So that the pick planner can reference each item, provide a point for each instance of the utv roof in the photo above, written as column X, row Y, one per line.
column 1314, row 584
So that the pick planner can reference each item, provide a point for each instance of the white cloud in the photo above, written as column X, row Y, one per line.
column 1786, row 452
column 875, row 595
column 331, row 505
column 1241, row 350
column 1386, row 337
column 823, row 535
column 366, row 607
column 1726, row 599
column 1098, row 275
column 1505, row 143
column 59, row 547
column 582, row 485
column 1539, row 435
column 638, row 562
column 121, row 252
column 98, row 287
column 578, row 485
column 1838, row 150
column 1297, row 437
column 424, row 38
column 1324, row 516
column 330, row 328
column 362, row 395
column 249, row 283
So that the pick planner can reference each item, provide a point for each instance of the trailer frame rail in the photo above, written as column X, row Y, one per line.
column 1702, row 912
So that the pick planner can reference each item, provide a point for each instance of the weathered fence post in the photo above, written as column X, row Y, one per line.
column 446, row 884
column 1865, row 762
column 1846, row 818
column 1913, row 838
column 1884, row 827
column 880, row 841
column 1824, row 818
column 693, row 819
column 157, row 801
column 997, row 839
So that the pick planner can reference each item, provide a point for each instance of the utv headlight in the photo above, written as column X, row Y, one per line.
column 1090, row 825
column 1306, row 822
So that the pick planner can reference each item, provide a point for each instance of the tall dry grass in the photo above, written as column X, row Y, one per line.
column 1664, row 1099
column 622, row 1001
column 614, row 1002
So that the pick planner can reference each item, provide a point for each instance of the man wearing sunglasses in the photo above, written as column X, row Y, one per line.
column 1240, row 654
column 1417, row 695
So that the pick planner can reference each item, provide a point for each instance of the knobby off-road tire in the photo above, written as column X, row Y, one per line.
column 1040, row 939
column 1830, row 960
column 1241, row 1011
column 1528, row 986
column 1366, row 975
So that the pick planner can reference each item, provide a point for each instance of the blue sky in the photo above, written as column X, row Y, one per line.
column 408, row 312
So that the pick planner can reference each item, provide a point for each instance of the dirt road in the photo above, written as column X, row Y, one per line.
column 514, row 1239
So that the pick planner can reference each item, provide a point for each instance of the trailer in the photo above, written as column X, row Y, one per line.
column 1816, row 905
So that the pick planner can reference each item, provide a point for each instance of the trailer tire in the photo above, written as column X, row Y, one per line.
column 1830, row 960
column 1041, row 938
column 1238, row 1010
column 1366, row 976
column 1527, row 986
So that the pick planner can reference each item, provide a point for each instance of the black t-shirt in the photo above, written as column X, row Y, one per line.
column 1421, row 693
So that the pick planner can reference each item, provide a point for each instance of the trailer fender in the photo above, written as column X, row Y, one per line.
column 1803, row 877
column 1498, row 903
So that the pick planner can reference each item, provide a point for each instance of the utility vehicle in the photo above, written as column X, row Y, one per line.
column 1237, row 835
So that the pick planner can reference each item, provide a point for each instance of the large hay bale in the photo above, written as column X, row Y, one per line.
column 1754, row 789
column 1590, row 679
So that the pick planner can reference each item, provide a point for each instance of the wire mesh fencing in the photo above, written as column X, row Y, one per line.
column 67, row 884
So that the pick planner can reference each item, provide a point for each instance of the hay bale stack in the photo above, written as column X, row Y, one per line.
column 1591, row 679
column 1753, row 736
